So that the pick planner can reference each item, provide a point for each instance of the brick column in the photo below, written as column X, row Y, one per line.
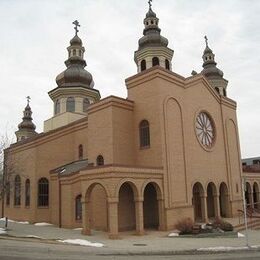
column 204, row 208
column 162, row 224
column 216, row 205
column 139, row 216
column 251, row 199
column 113, row 217
column 86, row 218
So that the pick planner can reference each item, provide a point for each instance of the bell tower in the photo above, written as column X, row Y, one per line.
column 211, row 72
column 152, row 50
column 75, row 87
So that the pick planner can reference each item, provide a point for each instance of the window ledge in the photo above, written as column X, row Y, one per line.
column 145, row 147
column 42, row 207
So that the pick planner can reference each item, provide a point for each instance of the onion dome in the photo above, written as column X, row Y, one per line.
column 211, row 72
column 75, row 75
column 210, row 69
column 26, row 127
column 152, row 36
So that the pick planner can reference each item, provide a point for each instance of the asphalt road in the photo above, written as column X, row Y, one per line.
column 27, row 250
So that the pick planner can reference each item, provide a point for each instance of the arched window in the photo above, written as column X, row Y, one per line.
column 27, row 193
column 43, row 192
column 217, row 89
column 167, row 64
column 74, row 52
column 7, row 194
column 70, row 104
column 86, row 104
column 224, row 92
column 78, row 208
column 155, row 61
column 143, row 65
column 57, row 107
column 17, row 190
column 100, row 160
column 80, row 152
column 144, row 133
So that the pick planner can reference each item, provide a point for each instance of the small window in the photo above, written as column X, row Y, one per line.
column 74, row 52
column 27, row 193
column 143, row 65
column 70, row 104
column 237, row 188
column 7, row 194
column 43, row 192
column 144, row 134
column 155, row 61
column 244, row 164
column 167, row 64
column 224, row 92
column 80, row 152
column 78, row 208
column 152, row 22
column 86, row 104
column 217, row 89
column 256, row 161
column 206, row 58
column 17, row 190
column 57, row 107
column 100, row 160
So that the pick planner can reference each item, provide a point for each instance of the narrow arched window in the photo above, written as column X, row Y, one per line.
column 78, row 208
column 143, row 65
column 224, row 92
column 144, row 133
column 86, row 104
column 217, row 89
column 70, row 104
column 80, row 152
column 27, row 193
column 43, row 192
column 100, row 160
column 155, row 61
column 17, row 190
column 167, row 64
column 57, row 107
column 7, row 194
column 74, row 52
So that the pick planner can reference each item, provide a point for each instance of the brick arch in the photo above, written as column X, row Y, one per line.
column 96, row 197
column 224, row 200
column 197, row 192
column 135, row 187
column 157, row 187
column 152, row 205
column 211, row 199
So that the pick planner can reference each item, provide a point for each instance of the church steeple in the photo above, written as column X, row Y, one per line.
column 211, row 72
column 75, row 87
column 152, row 50
column 26, row 127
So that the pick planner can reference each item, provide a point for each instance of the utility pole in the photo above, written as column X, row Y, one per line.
column 244, row 206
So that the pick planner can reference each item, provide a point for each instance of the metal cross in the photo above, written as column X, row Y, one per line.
column 206, row 40
column 150, row 3
column 28, row 100
column 76, row 26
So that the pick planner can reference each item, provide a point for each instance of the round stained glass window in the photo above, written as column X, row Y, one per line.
column 205, row 130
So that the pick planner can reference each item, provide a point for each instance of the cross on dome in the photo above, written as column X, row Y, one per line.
column 150, row 3
column 76, row 23
column 206, row 40
column 28, row 99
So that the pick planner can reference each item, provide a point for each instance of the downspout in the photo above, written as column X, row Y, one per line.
column 59, row 201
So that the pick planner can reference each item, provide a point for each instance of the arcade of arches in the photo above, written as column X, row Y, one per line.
column 134, row 206
column 211, row 201
column 252, row 194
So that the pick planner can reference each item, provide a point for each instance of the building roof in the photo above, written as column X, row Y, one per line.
column 71, row 167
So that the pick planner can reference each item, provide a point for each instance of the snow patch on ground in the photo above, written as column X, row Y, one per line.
column 174, row 234
column 240, row 234
column 78, row 228
column 42, row 224
column 33, row 236
column 13, row 221
column 81, row 242
column 222, row 248
column 2, row 231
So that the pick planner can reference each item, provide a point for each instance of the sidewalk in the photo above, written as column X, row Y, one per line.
column 153, row 242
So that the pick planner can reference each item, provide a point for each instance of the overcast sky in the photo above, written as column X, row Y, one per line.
column 36, row 33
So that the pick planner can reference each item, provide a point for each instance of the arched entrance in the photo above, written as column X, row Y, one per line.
column 223, row 200
column 256, row 195
column 151, row 207
column 197, row 198
column 248, row 193
column 126, row 208
column 211, row 203
column 96, row 207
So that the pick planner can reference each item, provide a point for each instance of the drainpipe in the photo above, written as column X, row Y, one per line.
column 59, row 201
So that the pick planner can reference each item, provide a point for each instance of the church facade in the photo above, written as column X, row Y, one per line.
column 168, row 151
